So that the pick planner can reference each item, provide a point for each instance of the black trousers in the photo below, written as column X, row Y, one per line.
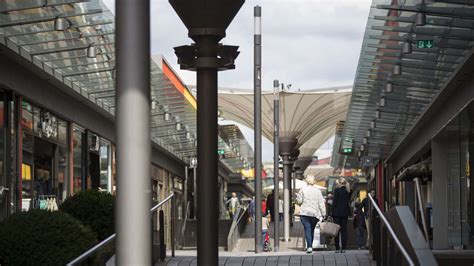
column 342, row 236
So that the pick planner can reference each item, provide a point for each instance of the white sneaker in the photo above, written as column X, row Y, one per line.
column 309, row 250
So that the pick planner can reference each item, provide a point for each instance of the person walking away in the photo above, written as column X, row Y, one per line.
column 341, row 211
column 359, row 225
column 329, row 199
column 270, row 203
column 313, row 209
column 367, row 205
column 234, row 204
column 252, row 210
column 264, row 207
column 280, row 209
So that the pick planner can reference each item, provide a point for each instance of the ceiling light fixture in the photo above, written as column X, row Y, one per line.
column 166, row 116
column 91, row 51
column 373, row 124
column 378, row 114
column 406, row 49
column 383, row 102
column 389, row 87
column 60, row 24
column 397, row 70
column 420, row 19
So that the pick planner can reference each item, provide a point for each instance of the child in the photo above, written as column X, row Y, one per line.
column 265, row 226
column 359, row 225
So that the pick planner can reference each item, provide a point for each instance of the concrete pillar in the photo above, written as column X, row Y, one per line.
column 439, row 157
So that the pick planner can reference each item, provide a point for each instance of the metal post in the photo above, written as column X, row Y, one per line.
column 194, row 193
column 258, row 126
column 286, row 198
column 173, row 221
column 276, row 169
column 133, row 221
column 421, row 205
column 207, row 21
column 207, row 155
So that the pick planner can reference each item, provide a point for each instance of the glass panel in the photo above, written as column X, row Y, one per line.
column 62, row 132
column 77, row 158
column 105, row 167
column 27, row 118
column 27, row 166
column 4, row 202
column 37, row 120
column 61, row 183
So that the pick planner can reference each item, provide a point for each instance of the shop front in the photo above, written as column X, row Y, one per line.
column 45, row 158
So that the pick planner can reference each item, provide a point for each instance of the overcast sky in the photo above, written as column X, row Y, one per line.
column 307, row 43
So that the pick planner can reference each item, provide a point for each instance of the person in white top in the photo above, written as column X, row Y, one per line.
column 280, row 209
column 313, row 209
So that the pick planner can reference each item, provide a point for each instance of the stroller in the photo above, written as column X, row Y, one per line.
column 267, row 247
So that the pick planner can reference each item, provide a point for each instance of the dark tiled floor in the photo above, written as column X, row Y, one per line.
column 323, row 258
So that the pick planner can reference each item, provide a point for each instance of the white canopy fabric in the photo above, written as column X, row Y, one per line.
column 299, row 185
column 303, row 114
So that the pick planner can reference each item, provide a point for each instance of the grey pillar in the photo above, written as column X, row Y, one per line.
column 133, row 221
column 440, row 159
column 286, row 146
column 257, row 80
column 276, row 169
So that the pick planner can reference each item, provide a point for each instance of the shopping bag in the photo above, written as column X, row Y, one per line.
column 329, row 228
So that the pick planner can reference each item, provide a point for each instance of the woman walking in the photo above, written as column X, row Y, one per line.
column 312, row 210
column 340, row 212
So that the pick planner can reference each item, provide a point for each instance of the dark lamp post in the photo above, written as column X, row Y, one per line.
column 207, row 21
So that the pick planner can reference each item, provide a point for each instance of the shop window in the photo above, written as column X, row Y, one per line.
column 27, row 116
column 62, row 132
column 77, row 158
column 105, row 165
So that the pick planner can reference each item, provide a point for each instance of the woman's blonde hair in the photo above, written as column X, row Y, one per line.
column 310, row 179
column 342, row 182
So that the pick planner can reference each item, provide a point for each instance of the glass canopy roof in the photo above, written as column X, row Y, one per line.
column 410, row 50
column 74, row 41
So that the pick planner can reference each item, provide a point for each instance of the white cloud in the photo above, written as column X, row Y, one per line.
column 309, row 43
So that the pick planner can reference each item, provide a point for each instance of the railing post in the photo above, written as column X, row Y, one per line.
column 173, row 221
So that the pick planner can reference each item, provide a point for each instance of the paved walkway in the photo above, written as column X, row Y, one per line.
column 323, row 258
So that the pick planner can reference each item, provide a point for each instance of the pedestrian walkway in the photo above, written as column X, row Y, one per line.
column 323, row 258
column 246, row 242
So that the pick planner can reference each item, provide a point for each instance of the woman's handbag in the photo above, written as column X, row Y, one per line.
column 297, row 209
column 329, row 228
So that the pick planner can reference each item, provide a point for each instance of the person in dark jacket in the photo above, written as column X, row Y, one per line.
column 341, row 211
column 359, row 225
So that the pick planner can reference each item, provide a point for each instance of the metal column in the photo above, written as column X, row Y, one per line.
column 257, row 75
column 133, row 221
column 286, row 198
column 276, row 166
column 286, row 148
column 207, row 155
column 207, row 21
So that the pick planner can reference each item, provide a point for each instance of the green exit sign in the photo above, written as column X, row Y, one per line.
column 221, row 152
column 346, row 150
column 423, row 44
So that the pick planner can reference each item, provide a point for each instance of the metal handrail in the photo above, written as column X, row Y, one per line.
column 92, row 250
column 390, row 229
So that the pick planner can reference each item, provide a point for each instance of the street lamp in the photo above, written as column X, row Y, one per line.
column 207, row 21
